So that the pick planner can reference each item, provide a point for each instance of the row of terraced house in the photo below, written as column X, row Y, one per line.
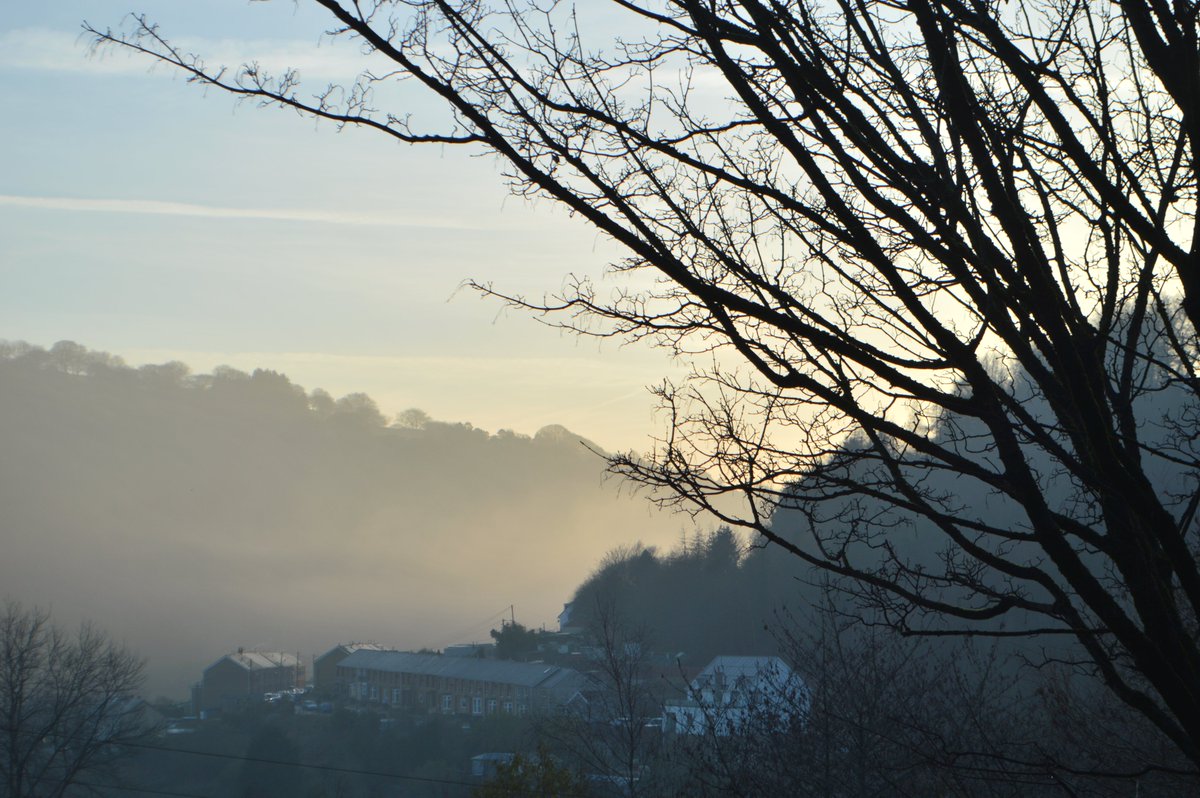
column 435, row 683
column 414, row 682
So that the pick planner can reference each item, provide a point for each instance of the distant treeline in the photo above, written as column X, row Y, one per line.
column 259, row 394
column 711, row 594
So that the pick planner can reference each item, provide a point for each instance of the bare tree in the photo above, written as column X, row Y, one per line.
column 605, row 731
column 875, row 718
column 939, row 256
column 68, row 703
column 883, row 714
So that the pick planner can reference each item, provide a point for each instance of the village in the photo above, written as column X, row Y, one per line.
column 563, row 694
column 564, row 673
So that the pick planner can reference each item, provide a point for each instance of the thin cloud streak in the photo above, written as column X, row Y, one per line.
column 53, row 50
column 164, row 208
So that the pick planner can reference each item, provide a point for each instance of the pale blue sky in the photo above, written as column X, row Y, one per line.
column 143, row 216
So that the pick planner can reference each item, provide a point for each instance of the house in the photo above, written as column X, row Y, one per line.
column 245, row 676
column 433, row 683
column 325, row 681
column 486, row 766
column 734, row 695
column 568, row 622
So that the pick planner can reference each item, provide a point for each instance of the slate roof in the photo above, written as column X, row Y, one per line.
column 522, row 674
column 259, row 660
column 735, row 667
column 737, row 676
column 350, row 648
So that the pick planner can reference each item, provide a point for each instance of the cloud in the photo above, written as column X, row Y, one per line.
column 44, row 49
column 164, row 208
column 56, row 50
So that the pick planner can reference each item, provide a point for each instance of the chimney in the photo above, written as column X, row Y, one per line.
column 240, row 650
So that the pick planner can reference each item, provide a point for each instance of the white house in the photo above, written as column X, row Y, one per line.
column 567, row 622
column 738, row 695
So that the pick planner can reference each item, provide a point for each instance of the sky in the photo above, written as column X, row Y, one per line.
column 158, row 221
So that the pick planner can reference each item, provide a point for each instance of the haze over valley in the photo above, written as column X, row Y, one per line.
column 191, row 514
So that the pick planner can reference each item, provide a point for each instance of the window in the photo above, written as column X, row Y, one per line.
column 462, row 703
column 476, row 706
column 396, row 695
column 507, row 707
column 491, row 706
column 447, row 703
column 521, row 709
column 374, row 692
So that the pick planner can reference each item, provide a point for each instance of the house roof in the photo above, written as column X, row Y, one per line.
column 746, row 671
column 494, row 756
column 733, row 667
column 564, row 617
column 350, row 648
column 259, row 660
column 524, row 674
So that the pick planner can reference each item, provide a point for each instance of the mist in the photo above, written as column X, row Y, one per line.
column 191, row 514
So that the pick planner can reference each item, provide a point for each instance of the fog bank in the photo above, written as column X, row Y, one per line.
column 191, row 514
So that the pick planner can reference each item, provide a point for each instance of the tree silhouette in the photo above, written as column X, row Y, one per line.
column 514, row 641
column 68, row 704
column 939, row 256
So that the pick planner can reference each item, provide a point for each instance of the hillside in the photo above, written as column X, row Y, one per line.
column 190, row 514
